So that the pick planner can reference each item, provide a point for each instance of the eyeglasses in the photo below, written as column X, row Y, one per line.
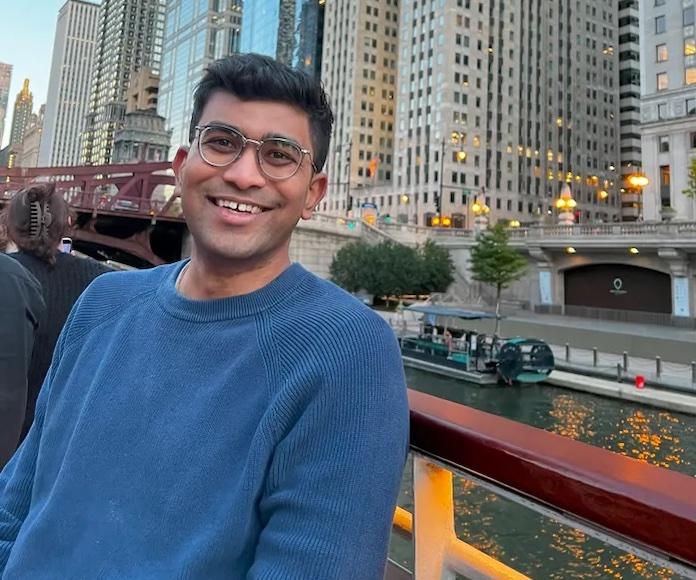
column 278, row 158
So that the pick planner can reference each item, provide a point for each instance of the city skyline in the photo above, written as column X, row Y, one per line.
column 26, row 44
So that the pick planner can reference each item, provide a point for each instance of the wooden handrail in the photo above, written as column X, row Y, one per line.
column 645, row 504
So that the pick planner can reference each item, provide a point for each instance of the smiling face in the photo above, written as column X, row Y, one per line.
column 239, row 218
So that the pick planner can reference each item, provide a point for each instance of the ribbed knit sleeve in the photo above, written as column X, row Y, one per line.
column 342, row 420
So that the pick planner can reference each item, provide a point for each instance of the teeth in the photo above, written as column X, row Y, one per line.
column 243, row 207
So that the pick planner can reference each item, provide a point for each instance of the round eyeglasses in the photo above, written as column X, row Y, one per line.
column 278, row 158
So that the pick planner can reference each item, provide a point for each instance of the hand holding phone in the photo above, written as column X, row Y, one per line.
column 66, row 245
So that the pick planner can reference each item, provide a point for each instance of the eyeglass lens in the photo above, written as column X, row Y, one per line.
column 277, row 158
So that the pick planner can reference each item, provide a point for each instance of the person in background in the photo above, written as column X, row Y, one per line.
column 37, row 218
column 231, row 416
column 21, row 307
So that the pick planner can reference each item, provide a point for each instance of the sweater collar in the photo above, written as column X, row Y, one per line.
column 218, row 309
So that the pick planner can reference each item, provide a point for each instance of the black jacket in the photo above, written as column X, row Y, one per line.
column 61, row 284
column 21, row 308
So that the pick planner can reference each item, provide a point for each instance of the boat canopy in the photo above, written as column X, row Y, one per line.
column 438, row 310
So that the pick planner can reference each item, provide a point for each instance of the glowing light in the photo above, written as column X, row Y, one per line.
column 461, row 155
column 603, row 194
column 570, row 250
column 633, row 251
column 637, row 180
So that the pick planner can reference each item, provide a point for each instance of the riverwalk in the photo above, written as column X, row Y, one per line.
column 592, row 356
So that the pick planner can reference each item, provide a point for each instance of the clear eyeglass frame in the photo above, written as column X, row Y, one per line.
column 201, row 131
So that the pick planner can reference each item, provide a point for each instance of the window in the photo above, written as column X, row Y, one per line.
column 692, row 140
column 689, row 46
column 661, row 79
column 691, row 106
column 690, row 76
column 665, row 179
column 688, row 16
column 661, row 53
column 660, row 24
column 661, row 111
column 663, row 141
column 659, row 2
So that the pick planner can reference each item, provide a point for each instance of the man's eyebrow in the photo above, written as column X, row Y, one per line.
column 279, row 136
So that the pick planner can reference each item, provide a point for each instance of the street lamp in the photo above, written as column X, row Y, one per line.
column 565, row 205
column 635, row 182
column 480, row 211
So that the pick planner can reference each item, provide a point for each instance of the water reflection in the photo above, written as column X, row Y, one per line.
column 521, row 538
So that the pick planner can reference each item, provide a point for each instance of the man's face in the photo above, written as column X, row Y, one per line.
column 257, row 234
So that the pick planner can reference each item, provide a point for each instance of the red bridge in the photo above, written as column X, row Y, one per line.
column 127, row 213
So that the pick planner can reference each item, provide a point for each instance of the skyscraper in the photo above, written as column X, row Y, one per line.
column 505, row 103
column 668, row 106
column 359, row 72
column 268, row 27
column 196, row 33
column 129, row 38
column 309, row 32
column 5, row 81
column 629, row 111
column 24, row 104
column 69, row 84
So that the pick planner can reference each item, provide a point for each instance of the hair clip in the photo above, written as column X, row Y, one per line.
column 40, row 218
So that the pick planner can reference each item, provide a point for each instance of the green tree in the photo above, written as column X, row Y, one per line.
column 690, row 191
column 494, row 262
column 392, row 269
column 436, row 268
column 349, row 268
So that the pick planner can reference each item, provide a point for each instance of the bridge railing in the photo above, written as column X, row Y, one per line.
column 640, row 508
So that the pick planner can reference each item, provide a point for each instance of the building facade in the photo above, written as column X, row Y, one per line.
column 143, row 138
column 309, row 36
column 359, row 68
column 23, row 108
column 504, row 104
column 668, row 106
column 129, row 38
column 196, row 33
column 5, row 81
column 28, row 151
column 69, row 84
column 629, row 108
column 268, row 27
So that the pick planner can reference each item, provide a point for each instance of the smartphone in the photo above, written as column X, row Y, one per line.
column 66, row 245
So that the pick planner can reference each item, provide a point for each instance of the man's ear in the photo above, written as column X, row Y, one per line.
column 178, row 165
column 315, row 193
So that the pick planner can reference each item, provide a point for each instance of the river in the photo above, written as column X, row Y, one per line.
column 521, row 538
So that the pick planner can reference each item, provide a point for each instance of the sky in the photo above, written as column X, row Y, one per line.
column 26, row 42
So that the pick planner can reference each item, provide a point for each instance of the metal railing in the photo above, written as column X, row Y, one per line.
column 646, row 510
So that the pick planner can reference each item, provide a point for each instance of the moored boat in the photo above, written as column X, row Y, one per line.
column 447, row 349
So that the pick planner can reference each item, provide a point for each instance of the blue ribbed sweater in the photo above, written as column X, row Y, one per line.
column 259, row 436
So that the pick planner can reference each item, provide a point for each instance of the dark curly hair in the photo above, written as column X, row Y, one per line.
column 36, row 219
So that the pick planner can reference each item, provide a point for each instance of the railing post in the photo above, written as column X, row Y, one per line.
column 595, row 356
column 625, row 361
column 619, row 371
column 658, row 366
column 567, row 352
column 433, row 517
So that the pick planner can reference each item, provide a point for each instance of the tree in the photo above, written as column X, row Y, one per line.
column 436, row 268
column 349, row 266
column 690, row 191
column 392, row 269
column 494, row 262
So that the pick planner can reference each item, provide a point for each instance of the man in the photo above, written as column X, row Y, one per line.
column 21, row 307
column 231, row 416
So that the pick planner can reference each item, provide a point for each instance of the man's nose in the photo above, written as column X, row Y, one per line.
column 245, row 172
